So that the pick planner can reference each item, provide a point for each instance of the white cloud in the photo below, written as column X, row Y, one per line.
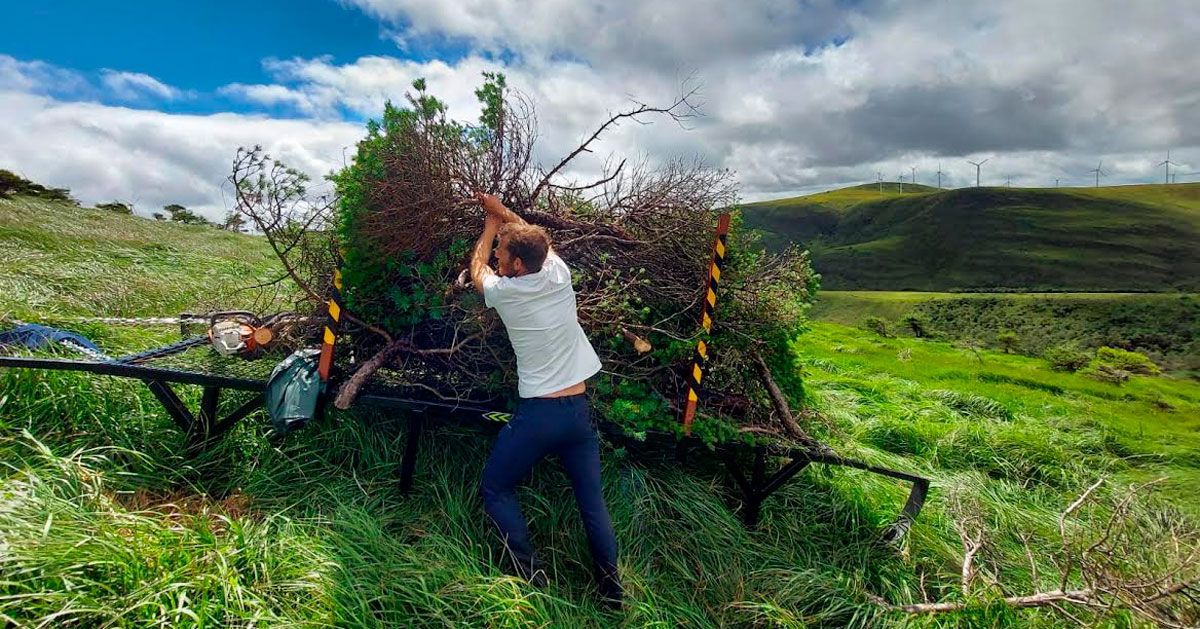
column 151, row 158
column 805, row 94
column 666, row 34
column 38, row 77
column 135, row 85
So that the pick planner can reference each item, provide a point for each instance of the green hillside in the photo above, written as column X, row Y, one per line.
column 1124, row 238
column 65, row 260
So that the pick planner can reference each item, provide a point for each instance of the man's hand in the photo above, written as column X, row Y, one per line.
column 495, row 208
column 491, row 205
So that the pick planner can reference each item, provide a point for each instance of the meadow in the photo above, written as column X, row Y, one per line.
column 1165, row 326
column 103, row 523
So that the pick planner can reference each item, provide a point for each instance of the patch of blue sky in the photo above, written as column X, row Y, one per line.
column 197, row 47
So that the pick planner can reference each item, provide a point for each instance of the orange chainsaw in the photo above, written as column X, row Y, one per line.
column 238, row 333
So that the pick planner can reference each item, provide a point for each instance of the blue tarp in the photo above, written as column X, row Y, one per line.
column 34, row 336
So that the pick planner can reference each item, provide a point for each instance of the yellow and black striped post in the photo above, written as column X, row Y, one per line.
column 332, row 326
column 707, row 313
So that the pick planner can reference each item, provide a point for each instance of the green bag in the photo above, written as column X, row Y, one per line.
column 293, row 391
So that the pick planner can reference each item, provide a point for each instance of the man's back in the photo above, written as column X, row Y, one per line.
column 538, row 310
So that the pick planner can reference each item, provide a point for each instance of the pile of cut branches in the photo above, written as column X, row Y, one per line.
column 638, row 238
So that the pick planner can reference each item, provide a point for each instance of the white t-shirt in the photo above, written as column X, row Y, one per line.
column 538, row 310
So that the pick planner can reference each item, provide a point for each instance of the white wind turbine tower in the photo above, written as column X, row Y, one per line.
column 1099, row 171
column 1167, row 164
column 879, row 177
column 913, row 181
column 900, row 179
column 939, row 174
column 977, row 165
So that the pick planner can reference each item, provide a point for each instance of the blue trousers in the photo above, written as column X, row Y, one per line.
column 541, row 426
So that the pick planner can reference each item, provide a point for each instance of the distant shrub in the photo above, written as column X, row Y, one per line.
column 1132, row 362
column 1067, row 357
column 180, row 214
column 917, row 324
column 1106, row 373
column 14, row 184
column 878, row 326
column 1007, row 340
column 115, row 206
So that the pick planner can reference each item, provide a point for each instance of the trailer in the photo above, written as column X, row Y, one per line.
column 756, row 471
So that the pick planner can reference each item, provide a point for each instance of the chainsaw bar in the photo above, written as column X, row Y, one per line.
column 166, row 350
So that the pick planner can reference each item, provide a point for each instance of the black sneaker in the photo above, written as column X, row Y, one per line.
column 611, row 593
column 531, row 573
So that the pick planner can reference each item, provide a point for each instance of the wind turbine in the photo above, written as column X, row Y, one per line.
column 939, row 174
column 1008, row 182
column 1099, row 171
column 977, row 165
column 1056, row 182
column 879, row 177
column 914, row 175
column 901, row 180
column 1167, row 163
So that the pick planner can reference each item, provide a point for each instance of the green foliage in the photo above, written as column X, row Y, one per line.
column 878, row 325
column 491, row 96
column 1106, row 372
column 1067, row 357
column 394, row 292
column 1126, row 238
column 180, row 214
column 233, row 221
column 1007, row 340
column 115, row 206
column 1132, row 362
column 16, row 185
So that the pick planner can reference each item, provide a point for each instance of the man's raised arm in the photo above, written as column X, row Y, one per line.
column 483, row 252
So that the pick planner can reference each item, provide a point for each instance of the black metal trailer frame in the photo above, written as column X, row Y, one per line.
column 748, row 465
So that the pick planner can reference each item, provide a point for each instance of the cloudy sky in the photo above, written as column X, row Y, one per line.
column 146, row 102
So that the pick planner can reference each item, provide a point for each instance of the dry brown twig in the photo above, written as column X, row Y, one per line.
column 1146, row 566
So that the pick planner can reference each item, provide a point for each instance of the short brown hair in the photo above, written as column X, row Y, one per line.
column 527, row 242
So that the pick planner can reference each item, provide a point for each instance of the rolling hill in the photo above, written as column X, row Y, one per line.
column 1121, row 238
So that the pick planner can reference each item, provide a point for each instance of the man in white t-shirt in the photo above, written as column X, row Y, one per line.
column 532, row 293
